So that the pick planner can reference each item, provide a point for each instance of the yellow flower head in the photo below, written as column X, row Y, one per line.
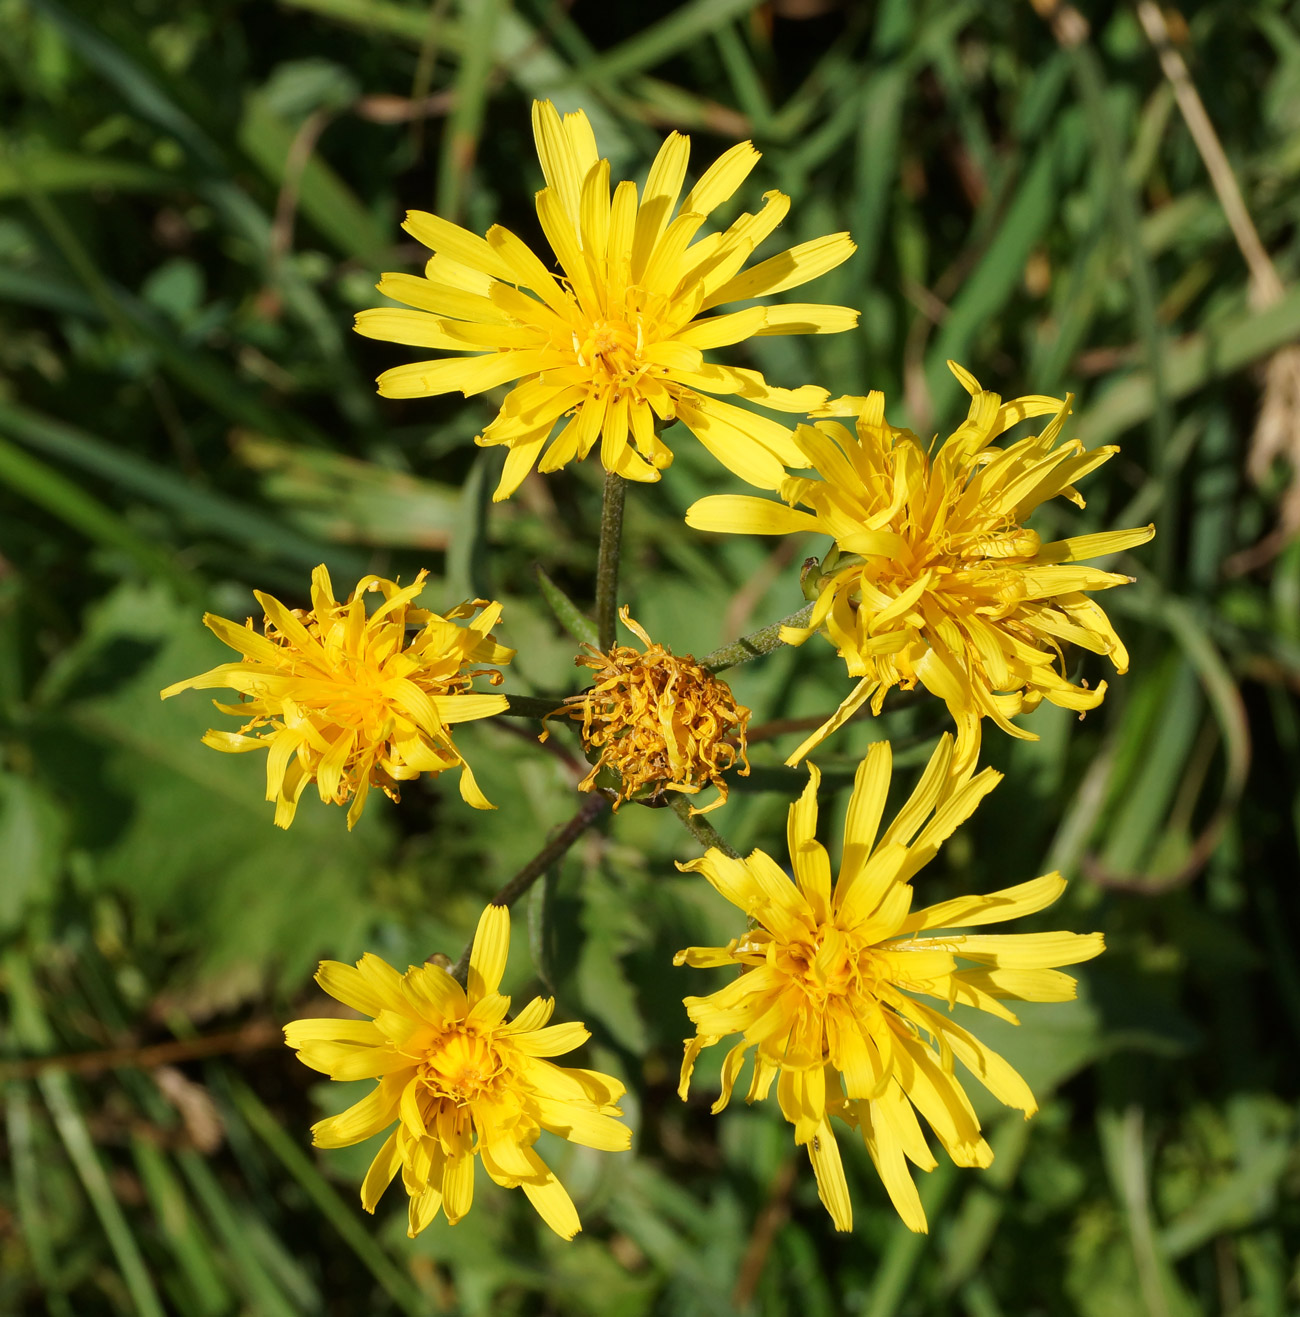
column 826, row 996
column 345, row 700
column 658, row 720
column 933, row 576
column 615, row 342
column 459, row 1078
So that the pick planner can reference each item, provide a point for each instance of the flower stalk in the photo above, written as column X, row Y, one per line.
column 701, row 829
column 756, row 644
column 536, row 867
column 611, row 539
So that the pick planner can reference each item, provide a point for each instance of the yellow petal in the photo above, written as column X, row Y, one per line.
column 1009, row 903
column 579, row 1123
column 370, row 986
column 380, row 1175
column 1081, row 547
column 417, row 329
column 722, row 178
column 450, row 239
column 441, row 299
column 297, row 1032
column 1021, row 950
column 552, row 1201
column 718, row 331
column 552, row 1041
column 808, row 318
column 732, row 442
column 468, row 375
column 487, row 959
column 558, row 159
column 422, row 1209
column 788, row 270
column 832, row 1187
column 458, row 1186
column 848, row 707
column 376, row 1111
column 743, row 514
column 866, row 806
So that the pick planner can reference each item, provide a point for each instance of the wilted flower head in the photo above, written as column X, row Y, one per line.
column 613, row 344
column 460, row 1079
column 826, row 996
column 347, row 700
column 933, row 577
column 659, row 721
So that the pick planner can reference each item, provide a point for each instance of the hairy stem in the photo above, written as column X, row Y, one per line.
column 703, row 831
column 611, row 538
column 531, row 706
column 536, row 867
column 754, row 645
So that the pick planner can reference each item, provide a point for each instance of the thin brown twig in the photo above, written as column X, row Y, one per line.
column 386, row 108
column 1277, row 428
column 286, row 204
column 251, row 1037
column 773, row 1216
column 744, row 601
column 1266, row 286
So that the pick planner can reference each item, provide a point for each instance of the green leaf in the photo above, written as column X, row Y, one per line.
column 567, row 613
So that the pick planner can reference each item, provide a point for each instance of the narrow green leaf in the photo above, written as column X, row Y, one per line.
column 56, row 1088
column 567, row 613
column 686, row 25
column 193, row 1252
column 400, row 1288
column 62, row 498
column 199, row 508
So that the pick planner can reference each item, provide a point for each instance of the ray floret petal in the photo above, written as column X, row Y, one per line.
column 459, row 1079
column 834, row 972
column 933, row 578
column 349, row 698
column 610, row 348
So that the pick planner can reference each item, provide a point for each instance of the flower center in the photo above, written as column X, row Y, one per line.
column 461, row 1066
column 612, row 347
column 829, row 965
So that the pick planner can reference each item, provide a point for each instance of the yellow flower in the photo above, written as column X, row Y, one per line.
column 614, row 343
column 933, row 576
column 659, row 720
column 829, row 976
column 459, row 1078
column 347, row 701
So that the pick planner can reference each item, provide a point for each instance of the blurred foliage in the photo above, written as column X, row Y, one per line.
column 193, row 199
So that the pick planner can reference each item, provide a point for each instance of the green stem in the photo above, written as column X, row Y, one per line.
column 536, row 867
column 611, row 537
column 531, row 706
column 704, row 832
column 754, row 645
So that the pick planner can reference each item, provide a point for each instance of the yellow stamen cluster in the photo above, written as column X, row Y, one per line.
column 659, row 721
column 339, row 697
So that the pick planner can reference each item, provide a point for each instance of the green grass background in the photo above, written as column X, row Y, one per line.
column 194, row 198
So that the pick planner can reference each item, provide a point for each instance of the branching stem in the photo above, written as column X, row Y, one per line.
column 703, row 831
column 536, row 867
column 756, row 644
